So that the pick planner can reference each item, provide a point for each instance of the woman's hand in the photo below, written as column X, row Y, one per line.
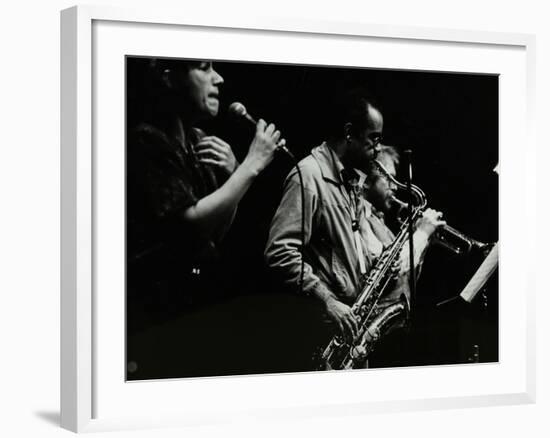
column 215, row 152
column 262, row 149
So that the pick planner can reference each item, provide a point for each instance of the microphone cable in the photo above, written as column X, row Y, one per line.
column 238, row 109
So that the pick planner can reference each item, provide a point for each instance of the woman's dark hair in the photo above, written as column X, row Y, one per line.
column 149, row 99
column 159, row 65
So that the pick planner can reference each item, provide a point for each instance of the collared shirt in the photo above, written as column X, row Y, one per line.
column 331, row 258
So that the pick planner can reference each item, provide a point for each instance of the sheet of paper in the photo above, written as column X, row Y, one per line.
column 481, row 276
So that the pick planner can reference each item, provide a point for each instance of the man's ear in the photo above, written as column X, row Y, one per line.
column 347, row 130
column 166, row 78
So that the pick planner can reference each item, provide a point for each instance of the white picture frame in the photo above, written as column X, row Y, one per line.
column 83, row 365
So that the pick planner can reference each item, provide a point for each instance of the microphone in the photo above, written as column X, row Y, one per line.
column 239, row 110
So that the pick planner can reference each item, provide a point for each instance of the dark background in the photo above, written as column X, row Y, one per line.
column 448, row 120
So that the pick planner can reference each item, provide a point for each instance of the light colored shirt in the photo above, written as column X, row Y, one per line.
column 383, row 237
column 331, row 257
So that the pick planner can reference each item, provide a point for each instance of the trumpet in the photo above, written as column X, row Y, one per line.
column 446, row 236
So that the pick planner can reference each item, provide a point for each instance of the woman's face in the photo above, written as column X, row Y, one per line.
column 203, row 85
column 200, row 88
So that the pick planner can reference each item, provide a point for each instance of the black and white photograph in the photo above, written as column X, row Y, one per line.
column 244, row 219
column 285, row 218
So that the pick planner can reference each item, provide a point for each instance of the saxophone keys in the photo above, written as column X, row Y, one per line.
column 358, row 353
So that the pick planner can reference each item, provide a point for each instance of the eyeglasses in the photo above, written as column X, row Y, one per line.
column 375, row 138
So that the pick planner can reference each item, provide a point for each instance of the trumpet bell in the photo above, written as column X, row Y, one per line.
column 457, row 242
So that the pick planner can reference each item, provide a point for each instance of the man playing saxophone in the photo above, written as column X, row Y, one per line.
column 340, row 244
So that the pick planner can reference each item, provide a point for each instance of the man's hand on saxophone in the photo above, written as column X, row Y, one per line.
column 343, row 317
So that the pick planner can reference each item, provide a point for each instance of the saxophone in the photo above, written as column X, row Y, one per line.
column 373, row 322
